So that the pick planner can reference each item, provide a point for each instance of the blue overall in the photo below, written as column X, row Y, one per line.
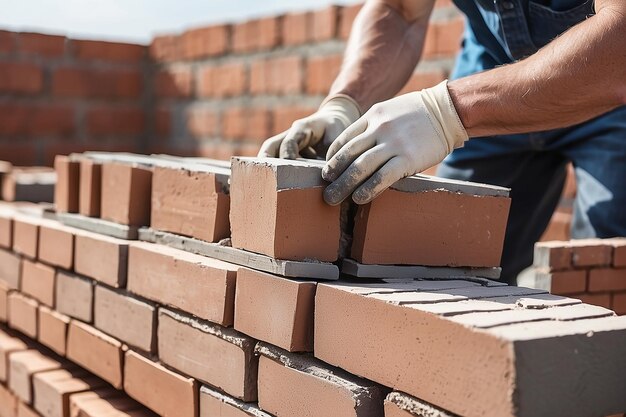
column 534, row 165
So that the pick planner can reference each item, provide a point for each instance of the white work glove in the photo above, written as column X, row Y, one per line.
column 394, row 139
column 313, row 135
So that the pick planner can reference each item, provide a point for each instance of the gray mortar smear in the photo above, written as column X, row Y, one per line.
column 248, row 408
column 416, row 407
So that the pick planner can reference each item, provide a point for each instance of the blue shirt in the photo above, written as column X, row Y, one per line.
column 503, row 31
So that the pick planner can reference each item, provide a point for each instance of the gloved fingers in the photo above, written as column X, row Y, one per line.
column 352, row 131
column 298, row 138
column 336, row 165
column 386, row 176
column 360, row 170
column 270, row 148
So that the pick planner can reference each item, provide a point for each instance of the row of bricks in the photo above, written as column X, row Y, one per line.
column 594, row 280
column 581, row 253
column 333, row 22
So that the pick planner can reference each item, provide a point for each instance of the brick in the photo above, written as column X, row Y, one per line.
column 256, row 34
column 591, row 252
column 42, row 45
column 90, row 181
column 174, row 83
column 38, row 281
column 52, row 390
column 602, row 300
column 22, row 366
column 475, row 240
column 559, row 227
column 421, row 80
column 24, row 410
column 191, row 203
column 202, row 122
column 108, row 51
column 10, row 267
column 281, row 75
column 281, row 192
column 32, row 184
column 23, row 314
column 168, row 394
column 126, row 193
column 20, row 78
column 32, row 120
column 7, row 42
column 215, row 403
column 321, row 71
column 8, row 345
column 66, row 188
column 183, row 337
column 322, row 390
column 619, row 252
column 97, row 83
column 125, row 318
column 283, row 117
column 555, row 255
column 162, row 122
column 618, row 303
column 296, row 28
column 166, row 48
column 102, row 258
column 6, row 231
column 107, row 120
column 399, row 404
column 101, row 403
column 227, row 80
column 56, row 245
column 449, row 36
column 347, row 15
column 250, row 123
column 325, row 24
column 346, row 335
column 193, row 283
column 95, row 351
column 52, row 329
column 74, row 296
column 606, row 279
column 564, row 282
column 25, row 236
column 275, row 310
column 204, row 42
column 8, row 403
column 4, row 303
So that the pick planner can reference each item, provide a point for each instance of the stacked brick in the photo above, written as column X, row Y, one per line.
column 593, row 270
column 186, row 335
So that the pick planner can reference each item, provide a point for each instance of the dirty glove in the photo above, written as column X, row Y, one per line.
column 394, row 139
column 312, row 135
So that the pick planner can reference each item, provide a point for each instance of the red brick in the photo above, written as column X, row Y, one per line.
column 102, row 258
column 6, row 231
column 276, row 75
column 202, row 122
column 476, row 239
column 23, row 366
column 227, row 80
column 8, row 403
column 605, row 279
column 283, row 117
column 125, row 318
column 42, row 45
column 31, row 120
column 193, row 283
column 8, row 345
column 569, row 190
column 269, row 30
column 260, row 189
column 66, row 189
column 24, row 410
column 166, row 48
column 126, row 193
column 10, row 267
column 568, row 282
column 90, row 181
column 204, row 42
column 449, row 35
column 7, row 42
column 325, row 24
column 52, row 390
column 168, row 394
column 591, row 252
column 182, row 337
column 619, row 252
column 105, row 120
column 74, row 296
column 618, row 303
column 347, row 16
column 38, row 281
column 256, row 34
column 554, row 255
column 20, row 78
column 4, row 302
column 421, row 80
column 104, row 402
column 321, row 72
column 240, row 123
column 322, row 390
column 162, row 122
column 558, row 228
column 174, row 83
column 275, row 309
column 56, row 245
column 190, row 203
column 52, row 329
column 247, row 149
column 100, row 83
column 214, row 403
column 296, row 28
column 602, row 300
column 429, row 49
column 109, row 51
column 95, row 351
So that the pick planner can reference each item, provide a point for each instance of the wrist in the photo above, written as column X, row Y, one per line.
column 440, row 105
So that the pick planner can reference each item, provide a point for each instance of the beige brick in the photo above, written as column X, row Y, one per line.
column 25, row 236
column 106, row 403
column 38, row 281
column 56, row 245
column 52, row 390
column 102, row 258
column 22, row 366
column 53, row 329
column 23, row 314
column 8, row 403
column 74, row 296
column 8, row 345
column 4, row 302
column 10, row 267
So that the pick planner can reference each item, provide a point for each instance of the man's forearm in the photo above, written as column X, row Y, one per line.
column 384, row 47
column 580, row 75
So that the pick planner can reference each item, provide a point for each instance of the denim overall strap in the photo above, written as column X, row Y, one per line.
column 515, row 28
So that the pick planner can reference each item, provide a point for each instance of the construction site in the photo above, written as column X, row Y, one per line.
column 182, row 236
